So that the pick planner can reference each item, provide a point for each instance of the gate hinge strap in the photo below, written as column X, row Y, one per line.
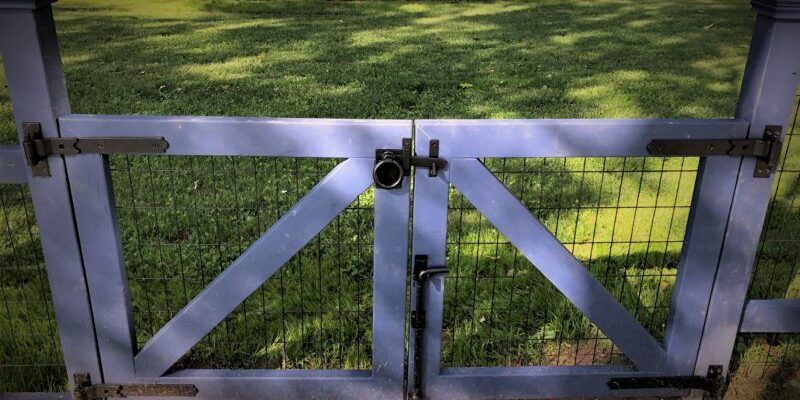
column 766, row 150
column 37, row 148
column 711, row 384
column 84, row 390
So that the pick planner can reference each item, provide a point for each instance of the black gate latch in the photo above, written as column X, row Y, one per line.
column 391, row 165
column 37, row 148
column 420, row 274
column 766, row 150
column 84, row 390
column 711, row 384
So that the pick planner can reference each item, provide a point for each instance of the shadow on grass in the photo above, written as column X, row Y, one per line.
column 513, row 316
column 421, row 60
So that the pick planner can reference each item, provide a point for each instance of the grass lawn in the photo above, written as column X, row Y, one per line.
column 183, row 219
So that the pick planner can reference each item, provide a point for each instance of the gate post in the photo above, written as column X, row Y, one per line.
column 768, row 89
column 38, row 94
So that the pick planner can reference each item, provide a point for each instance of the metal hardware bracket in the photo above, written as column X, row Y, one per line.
column 37, row 148
column 766, row 150
column 391, row 165
column 711, row 384
column 84, row 390
column 421, row 273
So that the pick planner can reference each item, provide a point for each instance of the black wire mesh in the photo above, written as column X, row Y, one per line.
column 776, row 272
column 30, row 349
column 184, row 219
column 768, row 365
column 624, row 218
column 8, row 132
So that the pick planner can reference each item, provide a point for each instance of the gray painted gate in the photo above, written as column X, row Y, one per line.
column 87, row 271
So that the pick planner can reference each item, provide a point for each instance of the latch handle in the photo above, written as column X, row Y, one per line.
column 421, row 273
column 427, row 273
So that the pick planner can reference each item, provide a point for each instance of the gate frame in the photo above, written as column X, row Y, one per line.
column 718, row 289
column 38, row 92
column 315, row 138
column 93, row 295
column 709, row 303
column 461, row 143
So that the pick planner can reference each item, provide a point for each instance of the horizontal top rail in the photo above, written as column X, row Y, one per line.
column 358, row 138
column 341, row 138
column 569, row 137
column 239, row 136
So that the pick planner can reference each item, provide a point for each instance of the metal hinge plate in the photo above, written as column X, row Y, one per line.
column 767, row 150
column 37, row 148
column 84, row 390
column 711, row 384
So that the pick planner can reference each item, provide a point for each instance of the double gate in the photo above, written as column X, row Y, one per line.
column 65, row 161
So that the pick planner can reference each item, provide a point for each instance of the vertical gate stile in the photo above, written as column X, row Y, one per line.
column 391, row 253
column 653, row 371
column 768, row 89
column 429, row 238
column 38, row 93
column 96, row 217
column 711, row 200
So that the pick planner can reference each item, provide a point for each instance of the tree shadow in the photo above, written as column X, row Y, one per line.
column 500, row 311
column 421, row 60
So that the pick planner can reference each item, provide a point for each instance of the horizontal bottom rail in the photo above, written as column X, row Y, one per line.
column 536, row 383
column 278, row 384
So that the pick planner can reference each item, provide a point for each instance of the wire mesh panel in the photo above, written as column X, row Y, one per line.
column 776, row 273
column 624, row 218
column 30, row 351
column 185, row 219
column 768, row 365
column 8, row 133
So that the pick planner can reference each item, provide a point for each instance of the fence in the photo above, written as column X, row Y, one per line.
column 169, row 225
